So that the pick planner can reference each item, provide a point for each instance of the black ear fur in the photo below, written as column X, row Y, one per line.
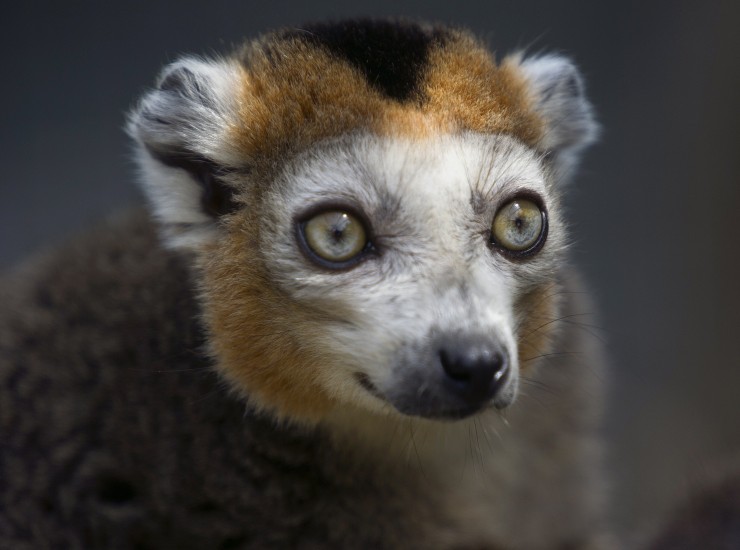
column 217, row 197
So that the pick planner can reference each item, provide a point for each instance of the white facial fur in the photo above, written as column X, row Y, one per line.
column 429, row 205
column 196, row 102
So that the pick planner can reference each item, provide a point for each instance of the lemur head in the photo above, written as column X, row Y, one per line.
column 372, row 208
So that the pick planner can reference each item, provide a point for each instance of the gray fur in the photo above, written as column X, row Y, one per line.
column 189, row 109
column 179, row 131
column 116, row 434
column 560, row 99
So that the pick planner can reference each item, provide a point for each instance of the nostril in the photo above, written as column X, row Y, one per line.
column 455, row 366
column 470, row 363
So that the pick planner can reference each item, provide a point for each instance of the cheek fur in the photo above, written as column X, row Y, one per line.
column 539, row 311
column 264, row 344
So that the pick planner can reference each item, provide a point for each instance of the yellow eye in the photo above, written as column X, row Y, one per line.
column 335, row 236
column 519, row 226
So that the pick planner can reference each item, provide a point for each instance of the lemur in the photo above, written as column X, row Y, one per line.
column 351, row 323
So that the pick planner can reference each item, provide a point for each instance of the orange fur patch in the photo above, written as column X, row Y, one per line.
column 266, row 344
column 467, row 89
column 296, row 94
column 539, row 311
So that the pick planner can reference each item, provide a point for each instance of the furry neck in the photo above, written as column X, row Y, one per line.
column 464, row 446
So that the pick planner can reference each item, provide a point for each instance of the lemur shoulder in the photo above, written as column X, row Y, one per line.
column 361, row 329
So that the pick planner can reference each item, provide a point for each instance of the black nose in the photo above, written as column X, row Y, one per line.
column 475, row 368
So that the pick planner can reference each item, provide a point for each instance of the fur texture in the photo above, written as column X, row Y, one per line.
column 233, row 392
column 117, row 433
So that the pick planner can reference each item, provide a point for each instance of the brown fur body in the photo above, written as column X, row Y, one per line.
column 116, row 433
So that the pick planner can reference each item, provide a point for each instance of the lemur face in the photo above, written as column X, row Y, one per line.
column 414, row 254
column 374, row 213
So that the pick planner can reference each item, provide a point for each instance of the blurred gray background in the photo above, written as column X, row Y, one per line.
column 655, row 209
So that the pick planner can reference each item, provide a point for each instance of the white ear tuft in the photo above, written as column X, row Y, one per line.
column 559, row 98
column 180, row 129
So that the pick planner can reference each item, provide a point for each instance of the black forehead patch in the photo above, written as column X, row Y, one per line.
column 392, row 55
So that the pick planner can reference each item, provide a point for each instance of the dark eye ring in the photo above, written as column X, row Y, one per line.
column 334, row 237
column 519, row 227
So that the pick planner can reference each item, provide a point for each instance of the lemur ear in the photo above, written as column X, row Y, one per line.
column 559, row 98
column 183, row 151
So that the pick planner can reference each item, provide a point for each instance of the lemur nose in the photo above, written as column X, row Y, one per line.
column 475, row 369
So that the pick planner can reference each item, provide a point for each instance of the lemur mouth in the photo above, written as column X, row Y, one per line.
column 424, row 412
column 368, row 386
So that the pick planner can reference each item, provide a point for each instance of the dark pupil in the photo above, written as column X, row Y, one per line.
column 519, row 222
column 337, row 232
